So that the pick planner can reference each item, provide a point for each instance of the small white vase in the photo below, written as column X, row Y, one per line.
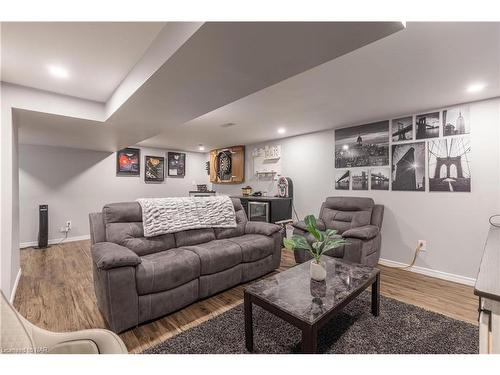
column 317, row 271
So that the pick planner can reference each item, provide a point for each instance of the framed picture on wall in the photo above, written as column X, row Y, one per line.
column 176, row 164
column 402, row 129
column 359, row 179
column 154, row 169
column 408, row 167
column 456, row 120
column 379, row 178
column 362, row 146
column 342, row 179
column 128, row 162
column 427, row 125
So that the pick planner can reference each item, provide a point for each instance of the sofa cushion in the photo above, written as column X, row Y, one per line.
column 194, row 237
column 125, row 212
column 217, row 255
column 254, row 246
column 241, row 220
column 131, row 235
column 166, row 270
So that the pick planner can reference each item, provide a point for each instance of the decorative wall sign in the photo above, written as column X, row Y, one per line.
column 360, row 179
column 176, row 164
column 379, row 178
column 456, row 120
column 449, row 164
column 402, row 129
column 362, row 146
column 154, row 170
column 342, row 179
column 408, row 166
column 128, row 162
column 427, row 125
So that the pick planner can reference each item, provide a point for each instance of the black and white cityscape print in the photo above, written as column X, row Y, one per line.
column 362, row 146
column 342, row 180
column 449, row 164
column 379, row 178
column 359, row 179
column 408, row 166
column 456, row 120
column 402, row 129
column 427, row 125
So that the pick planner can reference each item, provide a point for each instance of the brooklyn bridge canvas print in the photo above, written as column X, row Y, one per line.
column 360, row 179
column 342, row 179
column 379, row 178
column 402, row 129
column 449, row 164
column 427, row 125
column 362, row 146
column 408, row 166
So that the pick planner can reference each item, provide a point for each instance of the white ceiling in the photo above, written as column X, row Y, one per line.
column 98, row 55
column 221, row 62
column 426, row 66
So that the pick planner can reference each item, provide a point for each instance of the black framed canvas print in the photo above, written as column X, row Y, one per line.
column 402, row 129
column 456, row 120
column 427, row 125
column 408, row 166
column 176, row 164
column 362, row 146
column 154, row 170
column 449, row 164
column 342, row 179
column 379, row 178
column 128, row 162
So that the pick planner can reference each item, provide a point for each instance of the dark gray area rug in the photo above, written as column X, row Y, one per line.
column 400, row 329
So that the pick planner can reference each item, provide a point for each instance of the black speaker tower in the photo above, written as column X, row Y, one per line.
column 43, row 226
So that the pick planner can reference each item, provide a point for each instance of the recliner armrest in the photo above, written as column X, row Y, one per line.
column 366, row 232
column 302, row 225
column 259, row 227
column 107, row 255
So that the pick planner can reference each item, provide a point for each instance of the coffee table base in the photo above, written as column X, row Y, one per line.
column 309, row 331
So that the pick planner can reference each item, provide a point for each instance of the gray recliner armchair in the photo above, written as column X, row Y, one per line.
column 358, row 220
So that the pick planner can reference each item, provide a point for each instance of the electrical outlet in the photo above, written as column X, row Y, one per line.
column 422, row 244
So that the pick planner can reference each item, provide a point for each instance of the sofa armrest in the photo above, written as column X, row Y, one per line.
column 302, row 225
column 259, row 227
column 366, row 232
column 107, row 255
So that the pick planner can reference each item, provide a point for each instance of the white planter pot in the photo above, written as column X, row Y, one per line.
column 317, row 271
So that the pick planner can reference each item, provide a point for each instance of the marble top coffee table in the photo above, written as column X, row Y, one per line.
column 307, row 304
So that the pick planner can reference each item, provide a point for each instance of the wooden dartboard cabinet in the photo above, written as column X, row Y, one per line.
column 230, row 160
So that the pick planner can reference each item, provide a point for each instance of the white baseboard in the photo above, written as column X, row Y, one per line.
column 14, row 288
column 430, row 272
column 22, row 245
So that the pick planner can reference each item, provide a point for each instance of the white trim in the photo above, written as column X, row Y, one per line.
column 14, row 288
column 22, row 245
column 430, row 272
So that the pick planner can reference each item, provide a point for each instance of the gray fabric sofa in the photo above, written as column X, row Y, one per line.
column 358, row 220
column 138, row 279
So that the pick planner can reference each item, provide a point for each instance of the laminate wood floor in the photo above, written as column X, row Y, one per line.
column 56, row 292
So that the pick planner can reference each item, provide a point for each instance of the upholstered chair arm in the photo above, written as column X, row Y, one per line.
column 259, row 227
column 366, row 232
column 302, row 225
column 89, row 341
column 107, row 255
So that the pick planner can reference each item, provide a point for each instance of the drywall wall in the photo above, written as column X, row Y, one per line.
column 454, row 224
column 75, row 182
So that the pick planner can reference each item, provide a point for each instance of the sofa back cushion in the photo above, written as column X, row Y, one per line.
column 194, row 237
column 343, row 213
column 241, row 220
column 124, row 227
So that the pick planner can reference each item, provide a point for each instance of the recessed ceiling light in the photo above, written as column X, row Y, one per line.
column 281, row 130
column 58, row 71
column 476, row 87
column 201, row 147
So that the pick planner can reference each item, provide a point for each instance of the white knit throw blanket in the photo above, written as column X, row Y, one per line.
column 170, row 215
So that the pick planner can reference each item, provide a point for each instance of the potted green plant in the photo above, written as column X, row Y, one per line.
column 324, row 241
